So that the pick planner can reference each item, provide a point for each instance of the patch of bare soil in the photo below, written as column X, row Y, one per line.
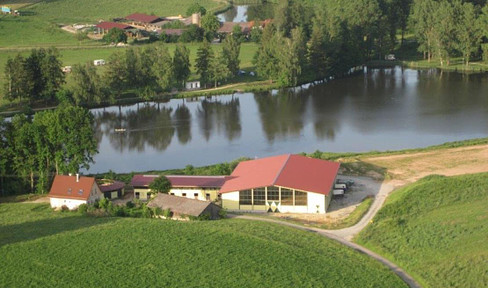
column 408, row 168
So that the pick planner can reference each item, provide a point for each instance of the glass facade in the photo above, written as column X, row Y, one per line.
column 283, row 196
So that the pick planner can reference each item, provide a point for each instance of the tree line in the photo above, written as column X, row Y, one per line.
column 34, row 149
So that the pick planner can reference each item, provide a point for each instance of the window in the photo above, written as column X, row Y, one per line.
column 300, row 198
column 69, row 191
column 80, row 192
column 286, row 196
column 273, row 193
column 138, row 195
column 259, row 196
column 207, row 196
column 245, row 197
column 195, row 195
column 183, row 194
column 171, row 193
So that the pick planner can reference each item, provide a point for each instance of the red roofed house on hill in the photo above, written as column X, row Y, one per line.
column 144, row 20
column 205, row 188
column 73, row 191
column 285, row 183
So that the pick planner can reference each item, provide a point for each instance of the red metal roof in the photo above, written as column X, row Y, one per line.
column 181, row 181
column 116, row 185
column 143, row 18
column 67, row 187
column 290, row 171
column 110, row 25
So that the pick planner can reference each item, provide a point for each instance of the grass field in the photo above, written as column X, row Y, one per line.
column 437, row 230
column 39, row 247
column 40, row 24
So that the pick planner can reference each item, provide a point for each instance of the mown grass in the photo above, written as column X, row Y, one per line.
column 436, row 229
column 39, row 247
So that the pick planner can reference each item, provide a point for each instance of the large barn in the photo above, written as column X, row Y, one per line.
column 285, row 183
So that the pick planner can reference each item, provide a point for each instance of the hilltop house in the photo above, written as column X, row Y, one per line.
column 205, row 188
column 285, row 183
column 183, row 206
column 72, row 191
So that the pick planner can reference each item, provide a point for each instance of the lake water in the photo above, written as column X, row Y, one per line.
column 380, row 109
column 245, row 13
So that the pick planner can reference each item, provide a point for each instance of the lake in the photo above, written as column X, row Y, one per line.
column 245, row 13
column 379, row 109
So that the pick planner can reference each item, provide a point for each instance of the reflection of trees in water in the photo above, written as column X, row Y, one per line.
column 149, row 124
column 182, row 122
column 281, row 114
column 230, row 14
column 220, row 116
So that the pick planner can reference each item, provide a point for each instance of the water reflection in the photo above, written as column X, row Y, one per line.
column 246, row 13
column 382, row 109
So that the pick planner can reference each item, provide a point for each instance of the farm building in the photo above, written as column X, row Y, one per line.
column 205, row 188
column 227, row 27
column 184, row 206
column 192, row 85
column 144, row 20
column 111, row 189
column 73, row 191
column 285, row 183
column 104, row 27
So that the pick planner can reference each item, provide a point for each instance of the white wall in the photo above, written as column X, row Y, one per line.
column 190, row 193
column 70, row 203
column 230, row 200
column 314, row 199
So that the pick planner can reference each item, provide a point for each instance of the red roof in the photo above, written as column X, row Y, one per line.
column 181, row 181
column 143, row 18
column 67, row 187
column 290, row 171
column 110, row 25
column 116, row 185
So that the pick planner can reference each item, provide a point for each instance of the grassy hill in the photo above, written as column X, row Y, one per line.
column 437, row 230
column 39, row 247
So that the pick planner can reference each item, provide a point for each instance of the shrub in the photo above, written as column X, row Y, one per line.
column 167, row 213
column 64, row 208
column 82, row 209
column 103, row 204
column 223, row 213
column 146, row 212
column 130, row 205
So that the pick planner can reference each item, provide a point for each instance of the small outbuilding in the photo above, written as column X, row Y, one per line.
column 111, row 189
column 72, row 191
column 184, row 206
column 192, row 85
column 285, row 183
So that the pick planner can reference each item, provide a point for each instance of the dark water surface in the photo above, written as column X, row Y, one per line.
column 382, row 109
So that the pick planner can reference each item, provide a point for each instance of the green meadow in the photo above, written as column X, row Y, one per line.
column 437, row 230
column 39, row 247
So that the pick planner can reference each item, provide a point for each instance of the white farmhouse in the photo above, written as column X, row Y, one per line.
column 72, row 191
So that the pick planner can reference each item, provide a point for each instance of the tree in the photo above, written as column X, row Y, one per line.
column 52, row 74
column 181, row 65
column 164, row 69
column 160, row 185
column 192, row 34
column 210, row 23
column 205, row 55
column 196, row 8
column 87, row 89
column 218, row 70
column 266, row 58
column 230, row 54
column 316, row 53
column 116, row 75
column 15, row 75
column 115, row 35
column 25, row 160
column 237, row 33
column 468, row 31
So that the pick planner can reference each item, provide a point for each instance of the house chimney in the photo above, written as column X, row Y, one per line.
column 77, row 177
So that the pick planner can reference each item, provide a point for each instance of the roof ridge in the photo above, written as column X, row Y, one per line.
column 281, row 170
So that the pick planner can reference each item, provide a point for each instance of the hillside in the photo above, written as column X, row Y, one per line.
column 436, row 229
column 39, row 247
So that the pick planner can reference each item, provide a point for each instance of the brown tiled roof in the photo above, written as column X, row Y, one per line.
column 143, row 18
column 67, row 187
column 116, row 185
column 181, row 205
column 181, row 181
column 110, row 25
column 227, row 27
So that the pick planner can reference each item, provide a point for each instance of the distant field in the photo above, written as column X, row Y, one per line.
column 437, row 230
column 39, row 247
column 39, row 26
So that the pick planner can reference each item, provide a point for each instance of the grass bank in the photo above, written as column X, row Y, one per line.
column 39, row 247
column 436, row 229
